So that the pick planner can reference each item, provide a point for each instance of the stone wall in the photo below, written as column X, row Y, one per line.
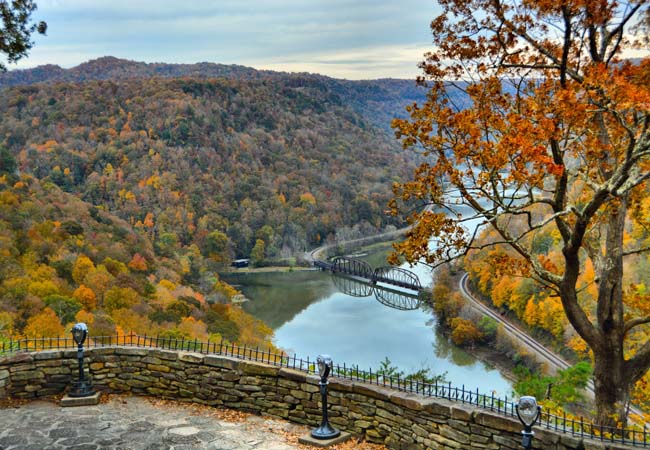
column 397, row 419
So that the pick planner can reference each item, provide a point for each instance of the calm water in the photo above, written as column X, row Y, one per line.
column 310, row 315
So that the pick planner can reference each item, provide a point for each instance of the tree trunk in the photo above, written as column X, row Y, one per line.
column 605, row 337
column 611, row 389
column 612, row 385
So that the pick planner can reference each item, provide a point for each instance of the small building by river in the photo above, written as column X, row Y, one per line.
column 240, row 263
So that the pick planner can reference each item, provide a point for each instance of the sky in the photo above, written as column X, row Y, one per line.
column 353, row 39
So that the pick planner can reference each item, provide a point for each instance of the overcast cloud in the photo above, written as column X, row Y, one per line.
column 353, row 39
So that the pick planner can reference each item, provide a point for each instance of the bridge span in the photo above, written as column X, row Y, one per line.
column 395, row 276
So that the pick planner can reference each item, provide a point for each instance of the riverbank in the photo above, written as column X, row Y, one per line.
column 483, row 351
column 269, row 269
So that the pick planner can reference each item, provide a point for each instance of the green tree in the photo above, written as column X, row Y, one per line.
column 166, row 244
column 66, row 308
column 567, row 387
column 178, row 310
column 118, row 298
column 489, row 327
column 17, row 29
column 534, row 124
column 258, row 252
column 72, row 228
column 217, row 247
column 7, row 162
column 424, row 375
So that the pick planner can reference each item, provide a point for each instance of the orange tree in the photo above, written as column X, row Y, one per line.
column 536, row 125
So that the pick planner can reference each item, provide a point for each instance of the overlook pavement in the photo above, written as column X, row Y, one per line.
column 137, row 423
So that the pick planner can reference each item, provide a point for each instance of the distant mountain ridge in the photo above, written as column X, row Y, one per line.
column 378, row 101
column 112, row 68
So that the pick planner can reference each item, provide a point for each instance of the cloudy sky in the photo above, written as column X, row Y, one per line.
column 353, row 39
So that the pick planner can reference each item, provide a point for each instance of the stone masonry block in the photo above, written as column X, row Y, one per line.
column 293, row 375
column 194, row 358
column 496, row 422
column 254, row 368
column 47, row 355
column 378, row 392
column 131, row 351
column 222, row 362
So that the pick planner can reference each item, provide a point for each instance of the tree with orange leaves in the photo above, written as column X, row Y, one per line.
column 138, row 262
column 535, row 124
column 44, row 324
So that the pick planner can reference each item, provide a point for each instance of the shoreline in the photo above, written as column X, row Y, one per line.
column 269, row 269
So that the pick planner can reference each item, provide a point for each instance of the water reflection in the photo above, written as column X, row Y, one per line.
column 310, row 315
column 445, row 349
column 352, row 287
column 386, row 296
column 276, row 298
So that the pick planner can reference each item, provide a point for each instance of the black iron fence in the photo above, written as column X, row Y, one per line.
column 636, row 435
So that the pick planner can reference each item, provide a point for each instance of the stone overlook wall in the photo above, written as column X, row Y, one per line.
column 397, row 419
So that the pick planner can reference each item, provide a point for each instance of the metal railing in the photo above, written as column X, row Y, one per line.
column 635, row 436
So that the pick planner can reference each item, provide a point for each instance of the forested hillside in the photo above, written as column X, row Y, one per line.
column 219, row 165
column 63, row 260
column 378, row 101
column 124, row 186
column 541, row 309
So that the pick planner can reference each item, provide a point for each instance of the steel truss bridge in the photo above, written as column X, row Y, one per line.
column 395, row 276
column 387, row 297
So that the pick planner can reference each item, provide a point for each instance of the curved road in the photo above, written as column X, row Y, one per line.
column 381, row 237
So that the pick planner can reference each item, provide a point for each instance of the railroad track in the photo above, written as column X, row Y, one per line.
column 544, row 353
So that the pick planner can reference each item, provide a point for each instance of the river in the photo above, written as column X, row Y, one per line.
column 310, row 315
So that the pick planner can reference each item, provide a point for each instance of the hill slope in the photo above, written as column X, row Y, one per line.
column 63, row 260
column 210, row 164
column 378, row 101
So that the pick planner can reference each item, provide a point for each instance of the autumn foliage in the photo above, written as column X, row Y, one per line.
column 61, row 261
column 537, row 128
column 208, row 166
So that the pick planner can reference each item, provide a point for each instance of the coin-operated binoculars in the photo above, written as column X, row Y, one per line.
column 528, row 412
column 82, row 387
column 325, row 430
